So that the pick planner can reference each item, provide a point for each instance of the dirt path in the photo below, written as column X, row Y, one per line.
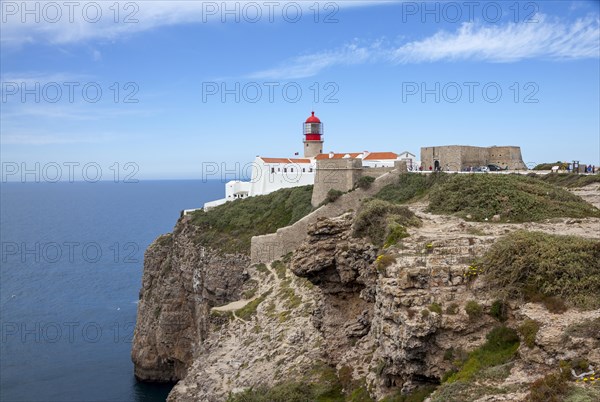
column 239, row 304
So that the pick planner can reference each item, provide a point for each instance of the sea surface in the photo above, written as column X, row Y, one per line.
column 71, row 270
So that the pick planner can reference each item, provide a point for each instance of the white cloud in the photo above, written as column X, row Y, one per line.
column 66, row 24
column 511, row 42
column 507, row 43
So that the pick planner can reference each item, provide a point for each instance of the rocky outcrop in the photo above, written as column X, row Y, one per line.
column 390, row 323
column 181, row 282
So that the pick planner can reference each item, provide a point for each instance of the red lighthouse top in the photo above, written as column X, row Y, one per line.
column 313, row 119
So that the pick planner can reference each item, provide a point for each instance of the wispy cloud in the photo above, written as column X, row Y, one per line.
column 547, row 39
column 133, row 17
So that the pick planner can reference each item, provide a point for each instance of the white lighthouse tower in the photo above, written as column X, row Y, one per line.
column 313, row 136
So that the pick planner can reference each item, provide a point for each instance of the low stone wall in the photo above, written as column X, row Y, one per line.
column 270, row 247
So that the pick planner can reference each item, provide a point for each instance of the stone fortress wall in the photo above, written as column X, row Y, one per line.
column 460, row 157
column 267, row 248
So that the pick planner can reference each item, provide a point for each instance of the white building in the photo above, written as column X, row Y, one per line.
column 272, row 174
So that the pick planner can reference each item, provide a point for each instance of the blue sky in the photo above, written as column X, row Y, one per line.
column 381, row 75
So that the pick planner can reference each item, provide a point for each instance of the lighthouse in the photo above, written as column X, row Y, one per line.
column 313, row 136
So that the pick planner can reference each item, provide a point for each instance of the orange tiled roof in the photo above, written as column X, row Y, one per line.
column 337, row 156
column 381, row 155
column 284, row 160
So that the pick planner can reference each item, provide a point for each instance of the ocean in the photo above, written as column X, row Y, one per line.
column 71, row 269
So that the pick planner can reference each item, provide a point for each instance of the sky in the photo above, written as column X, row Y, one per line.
column 170, row 90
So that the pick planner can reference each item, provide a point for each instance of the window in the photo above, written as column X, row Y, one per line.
column 311, row 169
column 284, row 170
column 272, row 170
column 303, row 170
column 292, row 170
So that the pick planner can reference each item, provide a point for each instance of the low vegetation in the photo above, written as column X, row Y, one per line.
column 551, row 269
column 473, row 309
column 246, row 312
column 410, row 186
column 499, row 310
column 569, row 180
column 365, row 182
column 528, row 331
column 585, row 329
column 380, row 220
column 332, row 196
column 514, row 198
column 321, row 384
column 229, row 227
column 551, row 388
column 500, row 347
column 549, row 166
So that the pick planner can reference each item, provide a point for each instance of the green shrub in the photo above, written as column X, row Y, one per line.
column 229, row 227
column 551, row 388
column 332, row 195
column 515, row 197
column 365, row 182
column 383, row 261
column 376, row 218
column 549, row 166
column 425, row 313
column 396, row 232
column 473, row 309
column 570, row 180
column 500, row 347
column 435, row 308
column 410, row 186
column 499, row 310
column 528, row 331
column 546, row 268
column 452, row 309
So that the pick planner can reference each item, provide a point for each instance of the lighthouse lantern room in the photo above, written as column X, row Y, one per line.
column 313, row 136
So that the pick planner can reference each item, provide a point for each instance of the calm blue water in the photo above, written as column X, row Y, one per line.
column 71, row 268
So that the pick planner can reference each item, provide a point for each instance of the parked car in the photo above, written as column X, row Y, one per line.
column 494, row 168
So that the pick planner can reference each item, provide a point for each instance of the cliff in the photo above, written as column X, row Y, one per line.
column 181, row 282
column 375, row 303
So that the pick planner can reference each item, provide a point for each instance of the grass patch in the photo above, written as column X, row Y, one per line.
column 515, row 198
column 500, row 347
column 377, row 219
column 279, row 268
column 435, row 308
column 542, row 267
column 262, row 268
column 246, row 312
column 320, row 384
column 410, row 186
column 579, row 394
column 229, row 227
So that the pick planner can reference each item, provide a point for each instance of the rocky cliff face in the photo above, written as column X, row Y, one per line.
column 386, row 325
column 181, row 282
